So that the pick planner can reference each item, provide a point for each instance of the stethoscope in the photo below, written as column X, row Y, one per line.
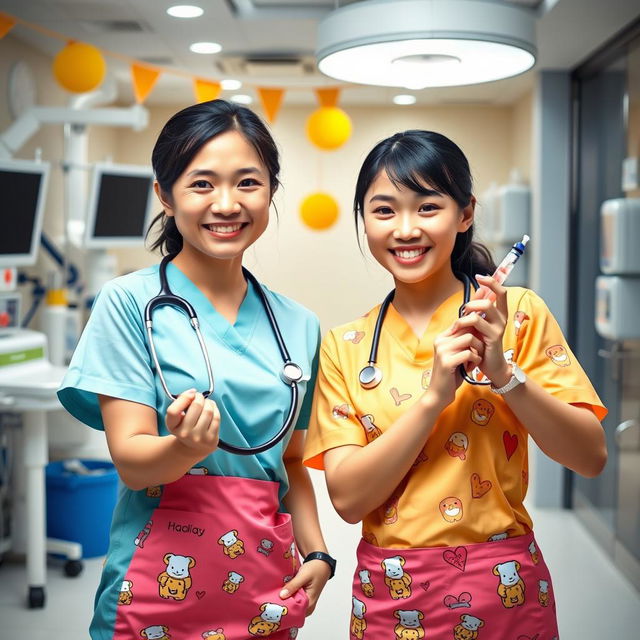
column 291, row 374
column 371, row 375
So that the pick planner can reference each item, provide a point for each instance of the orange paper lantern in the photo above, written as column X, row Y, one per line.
column 79, row 67
column 319, row 211
column 328, row 128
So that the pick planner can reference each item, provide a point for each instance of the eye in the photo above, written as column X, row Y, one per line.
column 383, row 211
column 200, row 184
column 428, row 207
column 249, row 182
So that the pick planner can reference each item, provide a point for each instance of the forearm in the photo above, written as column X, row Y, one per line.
column 300, row 502
column 360, row 479
column 568, row 434
column 148, row 460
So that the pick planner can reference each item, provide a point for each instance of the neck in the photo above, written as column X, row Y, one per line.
column 422, row 298
column 221, row 281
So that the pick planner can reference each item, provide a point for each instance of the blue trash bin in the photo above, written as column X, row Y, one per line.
column 80, row 507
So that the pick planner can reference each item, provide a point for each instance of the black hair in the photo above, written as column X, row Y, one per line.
column 416, row 158
column 184, row 135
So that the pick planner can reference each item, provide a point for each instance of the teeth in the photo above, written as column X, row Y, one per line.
column 407, row 254
column 224, row 228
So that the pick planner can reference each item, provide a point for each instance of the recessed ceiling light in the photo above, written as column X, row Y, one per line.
column 404, row 98
column 230, row 85
column 205, row 47
column 241, row 98
column 426, row 43
column 185, row 11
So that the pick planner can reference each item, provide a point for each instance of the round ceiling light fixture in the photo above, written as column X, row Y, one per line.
column 426, row 43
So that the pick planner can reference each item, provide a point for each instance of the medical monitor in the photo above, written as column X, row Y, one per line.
column 120, row 202
column 23, row 185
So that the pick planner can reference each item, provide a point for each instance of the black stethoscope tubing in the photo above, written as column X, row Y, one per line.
column 371, row 375
column 290, row 375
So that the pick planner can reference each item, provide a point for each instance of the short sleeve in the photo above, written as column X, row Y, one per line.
column 111, row 359
column 333, row 420
column 543, row 354
column 305, row 412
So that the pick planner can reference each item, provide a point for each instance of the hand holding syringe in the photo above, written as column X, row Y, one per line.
column 503, row 270
column 483, row 292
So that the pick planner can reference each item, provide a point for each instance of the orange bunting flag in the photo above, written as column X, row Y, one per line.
column 6, row 24
column 328, row 97
column 271, row 100
column 206, row 90
column 144, row 78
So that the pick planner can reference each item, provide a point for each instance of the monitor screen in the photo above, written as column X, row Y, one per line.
column 23, row 185
column 120, row 203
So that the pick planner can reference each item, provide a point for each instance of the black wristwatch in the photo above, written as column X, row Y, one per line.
column 325, row 557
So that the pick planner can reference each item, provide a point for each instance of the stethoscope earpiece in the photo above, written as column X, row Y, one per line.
column 370, row 377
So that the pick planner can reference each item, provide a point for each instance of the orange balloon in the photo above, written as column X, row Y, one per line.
column 319, row 211
column 328, row 128
column 79, row 67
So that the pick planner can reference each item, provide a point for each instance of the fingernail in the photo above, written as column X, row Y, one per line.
column 191, row 391
column 284, row 593
column 480, row 275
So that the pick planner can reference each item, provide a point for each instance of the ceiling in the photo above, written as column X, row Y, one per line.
column 272, row 42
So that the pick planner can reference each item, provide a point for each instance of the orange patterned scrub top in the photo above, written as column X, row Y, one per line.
column 468, row 483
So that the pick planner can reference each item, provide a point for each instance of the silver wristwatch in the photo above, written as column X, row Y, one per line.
column 517, row 377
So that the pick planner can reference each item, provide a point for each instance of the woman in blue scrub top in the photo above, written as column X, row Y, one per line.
column 202, row 541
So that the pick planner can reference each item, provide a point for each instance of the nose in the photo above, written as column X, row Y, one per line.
column 406, row 228
column 225, row 202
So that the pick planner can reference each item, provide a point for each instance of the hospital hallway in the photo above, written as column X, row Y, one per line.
column 594, row 600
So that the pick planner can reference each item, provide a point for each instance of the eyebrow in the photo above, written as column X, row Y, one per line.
column 386, row 198
column 207, row 172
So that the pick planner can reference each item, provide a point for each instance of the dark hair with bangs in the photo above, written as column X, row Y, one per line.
column 184, row 135
column 414, row 158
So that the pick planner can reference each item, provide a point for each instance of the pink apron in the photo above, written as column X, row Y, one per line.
column 213, row 572
column 487, row 591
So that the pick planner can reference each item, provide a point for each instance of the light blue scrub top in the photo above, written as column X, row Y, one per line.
column 113, row 359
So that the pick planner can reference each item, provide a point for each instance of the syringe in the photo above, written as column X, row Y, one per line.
column 503, row 270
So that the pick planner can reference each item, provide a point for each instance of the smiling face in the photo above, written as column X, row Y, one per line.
column 412, row 234
column 221, row 200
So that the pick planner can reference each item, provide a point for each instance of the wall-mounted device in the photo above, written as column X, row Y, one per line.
column 510, row 219
column 23, row 185
column 121, row 201
column 620, row 232
column 618, row 307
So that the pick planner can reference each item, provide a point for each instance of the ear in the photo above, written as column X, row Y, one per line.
column 495, row 570
column 168, row 557
column 192, row 562
column 168, row 209
column 467, row 216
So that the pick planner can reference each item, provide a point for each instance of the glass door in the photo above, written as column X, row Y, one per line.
column 607, row 111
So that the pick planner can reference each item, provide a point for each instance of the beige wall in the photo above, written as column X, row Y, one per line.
column 325, row 270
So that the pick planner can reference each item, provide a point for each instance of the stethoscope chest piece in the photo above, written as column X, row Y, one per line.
column 370, row 377
column 291, row 373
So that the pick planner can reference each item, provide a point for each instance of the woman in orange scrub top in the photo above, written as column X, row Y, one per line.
column 436, row 468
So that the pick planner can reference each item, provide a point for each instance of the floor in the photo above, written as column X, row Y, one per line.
column 594, row 600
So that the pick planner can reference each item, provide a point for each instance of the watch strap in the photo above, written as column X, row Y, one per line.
column 514, row 381
column 325, row 557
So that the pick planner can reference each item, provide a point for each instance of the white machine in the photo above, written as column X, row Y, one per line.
column 620, row 233
column 618, row 292
column 618, row 307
